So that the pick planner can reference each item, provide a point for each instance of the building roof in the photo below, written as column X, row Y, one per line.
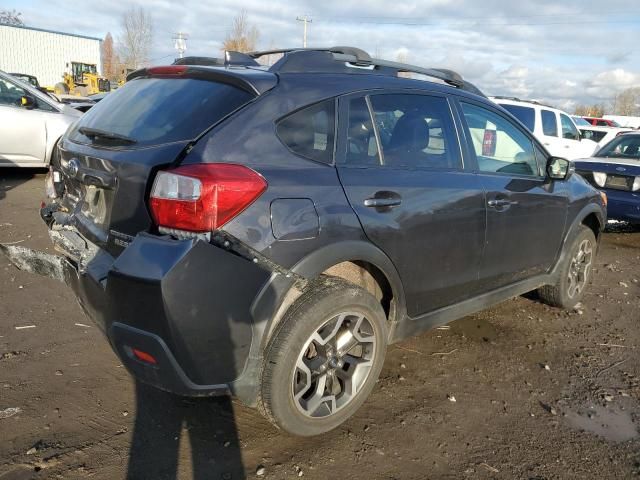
column 51, row 31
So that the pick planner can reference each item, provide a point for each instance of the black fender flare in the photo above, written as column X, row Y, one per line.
column 266, row 308
column 572, row 230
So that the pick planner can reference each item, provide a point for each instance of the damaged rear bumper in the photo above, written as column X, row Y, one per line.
column 186, row 303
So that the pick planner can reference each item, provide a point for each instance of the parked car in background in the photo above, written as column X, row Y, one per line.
column 602, row 122
column 96, row 97
column 601, row 135
column 615, row 169
column 27, row 78
column 625, row 120
column 554, row 128
column 31, row 123
column 268, row 232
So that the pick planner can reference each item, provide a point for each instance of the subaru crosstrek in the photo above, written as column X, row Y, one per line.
column 266, row 232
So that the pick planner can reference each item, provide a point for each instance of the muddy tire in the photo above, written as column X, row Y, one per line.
column 324, row 359
column 574, row 274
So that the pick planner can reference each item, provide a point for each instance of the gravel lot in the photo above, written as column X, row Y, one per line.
column 519, row 391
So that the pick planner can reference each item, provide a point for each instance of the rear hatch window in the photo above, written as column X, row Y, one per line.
column 117, row 145
column 155, row 111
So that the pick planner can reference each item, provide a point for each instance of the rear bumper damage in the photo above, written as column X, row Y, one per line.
column 187, row 305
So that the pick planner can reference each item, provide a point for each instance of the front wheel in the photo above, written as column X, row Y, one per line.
column 324, row 359
column 575, row 273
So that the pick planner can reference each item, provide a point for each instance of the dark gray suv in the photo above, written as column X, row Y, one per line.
column 266, row 232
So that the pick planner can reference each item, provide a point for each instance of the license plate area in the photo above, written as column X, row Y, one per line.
column 95, row 205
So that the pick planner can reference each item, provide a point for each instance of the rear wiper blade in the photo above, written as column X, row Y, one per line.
column 96, row 134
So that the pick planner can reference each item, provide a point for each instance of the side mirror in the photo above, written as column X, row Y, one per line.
column 27, row 102
column 559, row 168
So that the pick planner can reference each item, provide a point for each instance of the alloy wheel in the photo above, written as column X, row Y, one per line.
column 579, row 268
column 333, row 365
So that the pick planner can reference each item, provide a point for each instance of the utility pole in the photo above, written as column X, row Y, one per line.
column 306, row 19
column 180, row 43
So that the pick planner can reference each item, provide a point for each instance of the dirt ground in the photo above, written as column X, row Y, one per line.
column 520, row 391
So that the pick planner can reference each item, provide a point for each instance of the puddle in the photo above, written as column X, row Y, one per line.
column 612, row 424
column 474, row 328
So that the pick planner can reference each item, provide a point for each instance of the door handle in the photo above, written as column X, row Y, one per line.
column 500, row 202
column 382, row 202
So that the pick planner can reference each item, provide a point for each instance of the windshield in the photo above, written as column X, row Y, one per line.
column 624, row 146
column 153, row 111
column 581, row 122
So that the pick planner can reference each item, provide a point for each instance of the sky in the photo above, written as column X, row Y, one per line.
column 560, row 52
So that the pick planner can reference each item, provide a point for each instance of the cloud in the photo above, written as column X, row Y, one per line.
column 575, row 51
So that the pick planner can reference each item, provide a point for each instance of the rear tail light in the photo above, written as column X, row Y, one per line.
column 489, row 143
column 202, row 198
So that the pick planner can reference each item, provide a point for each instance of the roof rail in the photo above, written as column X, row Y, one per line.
column 360, row 58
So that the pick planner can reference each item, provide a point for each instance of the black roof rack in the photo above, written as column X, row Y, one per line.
column 359, row 58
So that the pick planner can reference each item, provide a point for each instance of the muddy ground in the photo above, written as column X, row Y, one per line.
column 539, row 393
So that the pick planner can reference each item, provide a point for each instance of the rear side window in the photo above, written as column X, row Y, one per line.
column 310, row 132
column 549, row 123
column 526, row 115
column 416, row 131
column 152, row 111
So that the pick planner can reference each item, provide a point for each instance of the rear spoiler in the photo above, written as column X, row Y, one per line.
column 253, row 81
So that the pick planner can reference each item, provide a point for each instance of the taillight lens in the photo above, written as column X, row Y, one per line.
column 202, row 198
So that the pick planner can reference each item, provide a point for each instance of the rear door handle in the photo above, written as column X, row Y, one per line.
column 500, row 202
column 382, row 202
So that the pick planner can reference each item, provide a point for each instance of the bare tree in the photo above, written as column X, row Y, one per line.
column 595, row 110
column 109, row 59
column 136, row 37
column 243, row 36
column 11, row 17
column 627, row 102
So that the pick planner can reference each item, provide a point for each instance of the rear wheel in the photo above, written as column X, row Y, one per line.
column 324, row 359
column 575, row 273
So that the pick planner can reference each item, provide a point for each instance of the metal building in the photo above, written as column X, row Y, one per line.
column 46, row 54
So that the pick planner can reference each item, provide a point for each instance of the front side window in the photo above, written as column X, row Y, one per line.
column 549, row 123
column 569, row 130
column 310, row 132
column 415, row 131
column 10, row 94
column 499, row 145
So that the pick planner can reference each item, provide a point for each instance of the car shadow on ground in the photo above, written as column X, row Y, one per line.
column 12, row 177
column 169, row 428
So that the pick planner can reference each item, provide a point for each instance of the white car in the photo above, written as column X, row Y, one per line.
column 601, row 135
column 31, row 124
column 554, row 128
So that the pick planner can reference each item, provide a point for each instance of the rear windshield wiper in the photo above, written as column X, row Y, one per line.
column 97, row 134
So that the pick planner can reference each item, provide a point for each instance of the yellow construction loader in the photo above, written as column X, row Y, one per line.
column 82, row 80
